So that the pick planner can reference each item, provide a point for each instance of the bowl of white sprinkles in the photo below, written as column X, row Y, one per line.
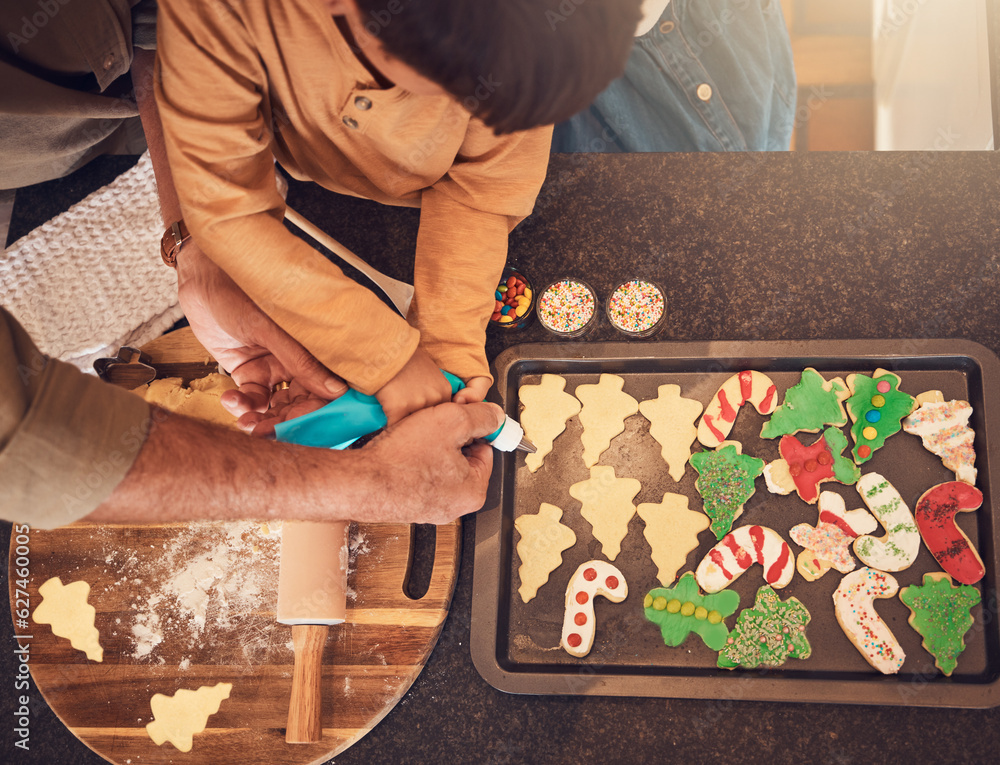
column 567, row 307
column 637, row 307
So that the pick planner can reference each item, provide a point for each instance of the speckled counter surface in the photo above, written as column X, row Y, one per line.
column 779, row 246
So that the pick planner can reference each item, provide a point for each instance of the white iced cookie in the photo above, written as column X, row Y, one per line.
column 852, row 603
column 738, row 551
column 943, row 427
column 672, row 532
column 671, row 422
column 827, row 544
column 607, row 506
column 66, row 610
column 898, row 549
column 720, row 414
column 543, row 540
column 591, row 579
column 605, row 407
column 547, row 407
column 177, row 718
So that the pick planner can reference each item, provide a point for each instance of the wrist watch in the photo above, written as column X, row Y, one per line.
column 174, row 238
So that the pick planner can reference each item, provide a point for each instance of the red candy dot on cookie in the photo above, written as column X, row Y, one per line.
column 883, row 386
column 824, row 458
column 580, row 619
column 864, row 451
column 811, row 465
column 582, row 597
column 590, row 574
column 612, row 582
column 573, row 640
column 795, row 470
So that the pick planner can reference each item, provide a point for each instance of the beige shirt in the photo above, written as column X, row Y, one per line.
column 243, row 82
column 66, row 439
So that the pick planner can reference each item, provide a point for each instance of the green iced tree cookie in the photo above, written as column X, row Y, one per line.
column 725, row 483
column 809, row 405
column 940, row 613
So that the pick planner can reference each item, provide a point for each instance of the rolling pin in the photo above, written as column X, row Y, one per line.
column 312, row 584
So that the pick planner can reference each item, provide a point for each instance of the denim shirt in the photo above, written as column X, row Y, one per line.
column 711, row 75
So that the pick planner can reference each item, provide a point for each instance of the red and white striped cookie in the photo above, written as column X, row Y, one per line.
column 738, row 551
column 593, row 578
column 852, row 603
column 720, row 414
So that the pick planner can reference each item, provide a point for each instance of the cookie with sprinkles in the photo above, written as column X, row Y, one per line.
column 827, row 544
column 768, row 634
column 725, row 482
column 941, row 613
column 877, row 407
column 680, row 610
column 856, row 614
column 943, row 427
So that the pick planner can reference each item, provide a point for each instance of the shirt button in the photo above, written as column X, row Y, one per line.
column 364, row 104
column 666, row 27
column 351, row 123
column 704, row 91
column 109, row 61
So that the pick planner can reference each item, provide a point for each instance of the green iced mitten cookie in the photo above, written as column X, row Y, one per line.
column 680, row 610
column 809, row 405
column 939, row 611
column 767, row 634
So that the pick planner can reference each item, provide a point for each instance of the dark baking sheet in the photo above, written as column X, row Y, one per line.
column 515, row 645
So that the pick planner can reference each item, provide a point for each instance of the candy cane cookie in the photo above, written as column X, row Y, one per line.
column 935, row 516
column 593, row 578
column 720, row 414
column 852, row 603
column 738, row 551
column 898, row 549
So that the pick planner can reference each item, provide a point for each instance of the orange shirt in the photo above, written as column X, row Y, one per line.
column 240, row 83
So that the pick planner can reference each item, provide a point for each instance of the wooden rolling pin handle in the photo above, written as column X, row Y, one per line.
column 304, row 725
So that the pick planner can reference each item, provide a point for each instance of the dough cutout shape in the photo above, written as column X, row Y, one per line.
column 877, row 407
column 680, row 610
column 547, row 407
column 803, row 468
column 593, row 578
column 897, row 550
column 738, row 551
column 943, row 427
column 725, row 482
column 809, row 405
column 768, row 634
column 828, row 542
column 605, row 407
column 199, row 398
column 720, row 414
column 607, row 506
column 66, row 610
column 853, row 604
column 543, row 540
column 671, row 422
column 935, row 517
column 672, row 532
column 941, row 613
column 177, row 718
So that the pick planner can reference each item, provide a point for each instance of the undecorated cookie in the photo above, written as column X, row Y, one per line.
column 177, row 718
column 547, row 407
column 605, row 407
column 607, row 506
column 543, row 540
column 672, row 532
column 671, row 422
column 66, row 610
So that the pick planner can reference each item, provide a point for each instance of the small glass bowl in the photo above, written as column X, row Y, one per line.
column 520, row 281
column 637, row 307
column 567, row 307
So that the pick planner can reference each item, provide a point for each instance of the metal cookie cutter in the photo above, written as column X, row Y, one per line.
column 132, row 368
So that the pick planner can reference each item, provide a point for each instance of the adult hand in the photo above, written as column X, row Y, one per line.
column 418, row 385
column 244, row 340
column 428, row 467
column 294, row 401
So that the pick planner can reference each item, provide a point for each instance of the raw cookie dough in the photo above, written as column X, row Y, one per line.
column 720, row 414
column 607, row 506
column 200, row 399
column 768, row 634
column 672, row 532
column 940, row 612
column 671, row 423
column 547, row 406
column 943, row 427
column 605, row 407
column 725, row 482
column 543, row 539
column 809, row 405
column 177, row 718
column 898, row 549
column 66, row 609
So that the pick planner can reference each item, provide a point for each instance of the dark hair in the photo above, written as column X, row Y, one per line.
column 515, row 64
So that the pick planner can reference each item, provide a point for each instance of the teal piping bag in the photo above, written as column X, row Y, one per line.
column 346, row 419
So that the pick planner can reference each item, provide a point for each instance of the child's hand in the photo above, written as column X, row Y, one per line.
column 417, row 385
column 474, row 391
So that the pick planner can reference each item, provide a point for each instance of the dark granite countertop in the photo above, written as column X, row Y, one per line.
column 747, row 246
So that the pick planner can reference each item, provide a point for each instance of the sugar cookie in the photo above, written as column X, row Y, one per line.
column 738, row 551
column 852, row 602
column 177, row 718
column 940, row 613
column 720, row 414
column 935, row 517
column 828, row 542
column 66, row 610
column 943, row 427
column 547, row 407
column 607, row 506
column 806, row 467
column 593, row 578
column 876, row 407
column 678, row 611
column 809, row 405
column 725, row 482
column 898, row 549
column 768, row 634
column 543, row 539
column 672, row 532
column 605, row 407
column 671, row 423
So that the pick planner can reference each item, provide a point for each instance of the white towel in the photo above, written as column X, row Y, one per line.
column 91, row 279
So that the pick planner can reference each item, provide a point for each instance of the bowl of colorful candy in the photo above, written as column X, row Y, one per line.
column 567, row 308
column 515, row 300
column 637, row 307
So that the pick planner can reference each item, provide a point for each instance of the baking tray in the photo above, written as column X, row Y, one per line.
column 515, row 645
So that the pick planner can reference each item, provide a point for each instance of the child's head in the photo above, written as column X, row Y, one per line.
column 516, row 64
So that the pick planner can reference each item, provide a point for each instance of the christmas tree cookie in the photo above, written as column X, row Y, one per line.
column 940, row 612
column 547, row 406
column 672, row 532
column 803, row 468
column 943, row 427
column 607, row 506
column 679, row 611
column 543, row 540
column 671, row 423
column 725, row 482
column 768, row 634
column 809, row 405
column 605, row 407
column 877, row 407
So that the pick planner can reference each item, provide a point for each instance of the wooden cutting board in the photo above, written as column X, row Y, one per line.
column 208, row 592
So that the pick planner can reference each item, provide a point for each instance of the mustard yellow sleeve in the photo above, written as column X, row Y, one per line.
column 462, row 241
column 209, row 87
column 66, row 439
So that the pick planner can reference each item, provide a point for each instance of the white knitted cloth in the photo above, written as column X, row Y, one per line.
column 91, row 279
